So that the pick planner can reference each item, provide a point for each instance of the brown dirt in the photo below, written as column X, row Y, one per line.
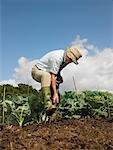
column 79, row 134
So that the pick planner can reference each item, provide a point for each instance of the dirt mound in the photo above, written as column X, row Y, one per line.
column 80, row 134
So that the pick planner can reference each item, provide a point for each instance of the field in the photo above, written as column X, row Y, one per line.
column 83, row 120
column 77, row 134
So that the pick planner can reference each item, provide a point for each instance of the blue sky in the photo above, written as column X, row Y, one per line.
column 30, row 28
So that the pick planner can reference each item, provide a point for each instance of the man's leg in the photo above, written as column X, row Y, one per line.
column 45, row 83
column 50, row 108
column 45, row 79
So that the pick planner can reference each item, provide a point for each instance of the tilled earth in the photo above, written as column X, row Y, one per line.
column 78, row 134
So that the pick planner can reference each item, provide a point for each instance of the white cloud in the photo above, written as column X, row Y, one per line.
column 87, row 48
column 23, row 72
column 10, row 81
column 94, row 72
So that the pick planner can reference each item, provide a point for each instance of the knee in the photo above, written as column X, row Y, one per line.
column 46, row 80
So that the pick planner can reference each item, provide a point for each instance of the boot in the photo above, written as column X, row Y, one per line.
column 50, row 108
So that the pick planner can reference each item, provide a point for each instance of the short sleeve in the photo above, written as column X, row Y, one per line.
column 54, row 66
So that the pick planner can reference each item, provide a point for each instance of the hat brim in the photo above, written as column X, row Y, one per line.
column 75, row 62
column 70, row 55
column 73, row 58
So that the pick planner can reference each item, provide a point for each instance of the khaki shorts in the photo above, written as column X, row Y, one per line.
column 41, row 76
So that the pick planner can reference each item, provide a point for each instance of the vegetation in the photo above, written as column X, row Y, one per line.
column 23, row 105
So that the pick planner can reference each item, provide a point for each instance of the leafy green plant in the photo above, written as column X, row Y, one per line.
column 23, row 105
column 3, row 106
column 86, row 103
column 18, row 108
column 73, row 105
column 21, row 112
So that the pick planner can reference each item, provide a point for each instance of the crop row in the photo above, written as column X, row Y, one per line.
column 28, row 108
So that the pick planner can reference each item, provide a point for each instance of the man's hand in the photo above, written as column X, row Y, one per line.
column 55, row 98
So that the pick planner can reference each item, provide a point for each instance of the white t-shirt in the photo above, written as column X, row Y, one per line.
column 52, row 61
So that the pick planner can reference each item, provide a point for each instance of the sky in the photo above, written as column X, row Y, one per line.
column 31, row 28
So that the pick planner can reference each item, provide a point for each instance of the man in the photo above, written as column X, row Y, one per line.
column 47, row 72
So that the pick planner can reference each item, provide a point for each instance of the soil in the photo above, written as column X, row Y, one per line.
column 78, row 134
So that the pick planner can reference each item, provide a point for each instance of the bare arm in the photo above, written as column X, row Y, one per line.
column 55, row 97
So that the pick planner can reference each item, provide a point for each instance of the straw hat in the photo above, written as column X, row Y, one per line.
column 74, row 54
